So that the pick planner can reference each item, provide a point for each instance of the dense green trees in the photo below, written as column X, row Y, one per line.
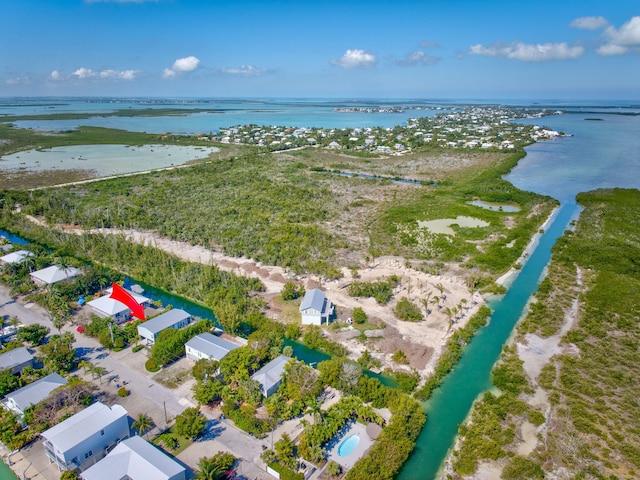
column 169, row 346
column 58, row 354
column 33, row 334
column 190, row 423
column 216, row 467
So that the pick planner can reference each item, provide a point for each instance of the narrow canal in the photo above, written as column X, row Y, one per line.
column 451, row 403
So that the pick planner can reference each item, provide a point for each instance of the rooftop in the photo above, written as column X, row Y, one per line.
column 211, row 345
column 134, row 459
column 79, row 427
column 313, row 299
column 35, row 392
column 54, row 274
column 165, row 320
column 110, row 306
column 14, row 357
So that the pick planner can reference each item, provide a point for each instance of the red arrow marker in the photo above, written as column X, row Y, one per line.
column 120, row 294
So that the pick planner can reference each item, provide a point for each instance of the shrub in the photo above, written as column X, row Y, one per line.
column 137, row 348
column 123, row 392
column 151, row 366
column 400, row 357
column 520, row 467
column 359, row 316
column 407, row 311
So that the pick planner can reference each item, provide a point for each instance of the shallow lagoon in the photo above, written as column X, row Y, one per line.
column 105, row 160
column 496, row 207
column 442, row 225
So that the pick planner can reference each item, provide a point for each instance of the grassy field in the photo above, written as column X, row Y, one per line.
column 285, row 209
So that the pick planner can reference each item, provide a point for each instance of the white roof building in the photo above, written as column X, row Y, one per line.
column 106, row 306
column 19, row 400
column 208, row 346
column 53, row 274
column 86, row 437
column 135, row 459
column 175, row 318
column 15, row 257
column 316, row 308
column 15, row 360
column 270, row 376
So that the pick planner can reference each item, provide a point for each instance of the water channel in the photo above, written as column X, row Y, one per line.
column 599, row 154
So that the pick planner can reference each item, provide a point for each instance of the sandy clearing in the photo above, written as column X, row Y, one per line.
column 423, row 341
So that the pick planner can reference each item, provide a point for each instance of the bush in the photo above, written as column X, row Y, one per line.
column 137, row 348
column 520, row 467
column 286, row 473
column 400, row 357
column 359, row 316
column 151, row 366
column 123, row 392
column 407, row 311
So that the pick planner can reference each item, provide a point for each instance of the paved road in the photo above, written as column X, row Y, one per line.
column 91, row 350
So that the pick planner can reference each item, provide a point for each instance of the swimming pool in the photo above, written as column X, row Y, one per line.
column 348, row 445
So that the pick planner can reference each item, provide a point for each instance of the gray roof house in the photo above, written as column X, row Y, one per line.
column 316, row 308
column 15, row 257
column 270, row 376
column 19, row 400
column 15, row 360
column 175, row 318
column 53, row 274
column 86, row 437
column 106, row 307
column 208, row 346
column 135, row 459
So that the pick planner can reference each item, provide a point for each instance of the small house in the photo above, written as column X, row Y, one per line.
column 208, row 346
column 15, row 360
column 15, row 257
column 175, row 318
column 270, row 376
column 86, row 437
column 107, row 307
column 135, row 459
column 316, row 308
column 53, row 274
column 19, row 400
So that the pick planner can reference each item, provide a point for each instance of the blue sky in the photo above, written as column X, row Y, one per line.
column 463, row 49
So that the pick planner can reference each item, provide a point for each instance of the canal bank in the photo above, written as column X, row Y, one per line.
column 452, row 401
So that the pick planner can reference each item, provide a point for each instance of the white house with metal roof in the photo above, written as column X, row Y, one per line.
column 15, row 360
column 53, row 274
column 86, row 437
column 270, row 376
column 175, row 318
column 316, row 308
column 206, row 345
column 135, row 459
column 19, row 400
column 107, row 307
column 15, row 257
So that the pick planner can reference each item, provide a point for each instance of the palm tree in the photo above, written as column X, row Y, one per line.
column 209, row 470
column 142, row 423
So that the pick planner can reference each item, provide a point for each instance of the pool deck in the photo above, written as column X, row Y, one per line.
column 364, row 444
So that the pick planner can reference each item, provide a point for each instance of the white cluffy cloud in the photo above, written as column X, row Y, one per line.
column 589, row 23
column 245, row 71
column 625, row 39
column 84, row 73
column 19, row 81
column 185, row 64
column 540, row 52
column 617, row 41
column 355, row 59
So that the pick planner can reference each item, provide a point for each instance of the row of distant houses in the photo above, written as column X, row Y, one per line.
column 46, row 276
